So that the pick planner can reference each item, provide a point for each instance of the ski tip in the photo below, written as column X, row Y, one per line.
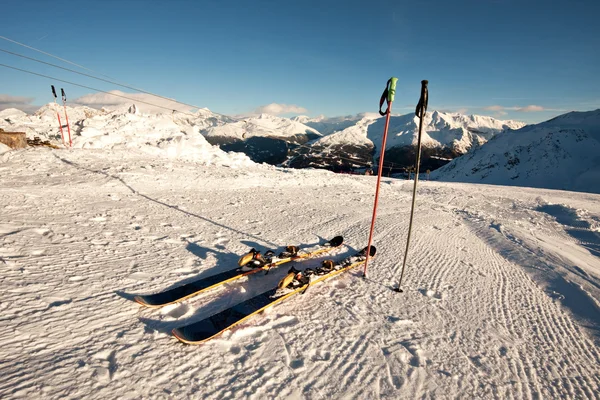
column 336, row 241
column 178, row 334
column 140, row 300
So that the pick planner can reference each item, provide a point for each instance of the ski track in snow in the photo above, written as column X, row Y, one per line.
column 82, row 232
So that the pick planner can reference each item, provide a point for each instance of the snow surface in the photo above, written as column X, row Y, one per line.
column 562, row 153
column 456, row 131
column 262, row 125
column 501, row 289
column 160, row 135
column 327, row 126
column 167, row 133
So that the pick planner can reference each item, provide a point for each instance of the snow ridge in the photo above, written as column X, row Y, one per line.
column 562, row 153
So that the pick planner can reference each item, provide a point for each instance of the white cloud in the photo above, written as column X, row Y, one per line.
column 145, row 102
column 277, row 109
column 529, row 108
column 18, row 102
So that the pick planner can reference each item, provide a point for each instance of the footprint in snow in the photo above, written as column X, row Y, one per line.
column 184, row 271
column 221, row 241
column 77, row 278
column 297, row 364
column 57, row 301
column 105, row 365
column 433, row 293
column 43, row 231
column 175, row 311
column 140, row 276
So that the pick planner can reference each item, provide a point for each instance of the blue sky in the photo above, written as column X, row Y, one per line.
column 525, row 60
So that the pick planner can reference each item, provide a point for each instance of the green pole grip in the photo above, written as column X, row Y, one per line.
column 392, row 89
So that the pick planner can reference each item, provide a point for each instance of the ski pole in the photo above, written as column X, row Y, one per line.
column 388, row 95
column 64, row 99
column 419, row 112
column 62, row 135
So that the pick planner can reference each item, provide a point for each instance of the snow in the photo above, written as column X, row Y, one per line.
column 160, row 135
column 330, row 125
column 456, row 131
column 4, row 148
column 501, row 292
column 355, row 134
column 562, row 153
column 262, row 125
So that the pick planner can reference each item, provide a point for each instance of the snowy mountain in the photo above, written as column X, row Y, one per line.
column 174, row 136
column 343, row 150
column 341, row 143
column 562, row 153
column 264, row 138
column 445, row 136
column 328, row 126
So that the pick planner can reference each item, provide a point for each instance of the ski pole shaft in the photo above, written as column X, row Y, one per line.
column 388, row 95
column 62, row 135
column 420, row 112
column 64, row 99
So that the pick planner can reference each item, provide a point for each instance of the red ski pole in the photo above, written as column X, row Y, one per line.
column 388, row 95
column 64, row 99
column 62, row 135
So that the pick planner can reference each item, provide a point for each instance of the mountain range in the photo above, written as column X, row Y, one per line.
column 341, row 144
column 562, row 153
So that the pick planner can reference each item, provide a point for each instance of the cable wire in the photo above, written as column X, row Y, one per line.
column 100, row 79
column 50, row 55
column 386, row 164
column 94, row 89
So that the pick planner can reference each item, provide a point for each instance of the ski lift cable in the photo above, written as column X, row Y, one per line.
column 100, row 79
column 103, row 91
column 112, row 82
column 91, row 88
column 366, row 164
column 50, row 55
column 88, row 69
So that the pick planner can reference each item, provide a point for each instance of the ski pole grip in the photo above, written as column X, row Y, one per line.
column 423, row 100
column 392, row 89
column 64, row 96
column 388, row 95
column 53, row 91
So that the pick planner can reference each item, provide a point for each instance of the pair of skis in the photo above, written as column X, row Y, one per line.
column 295, row 282
column 250, row 264
column 64, row 100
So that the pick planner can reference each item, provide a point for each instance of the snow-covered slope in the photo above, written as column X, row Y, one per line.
column 263, row 125
column 328, row 126
column 264, row 138
column 456, row 132
column 562, row 153
column 176, row 135
column 500, row 294
column 343, row 150
column 445, row 135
